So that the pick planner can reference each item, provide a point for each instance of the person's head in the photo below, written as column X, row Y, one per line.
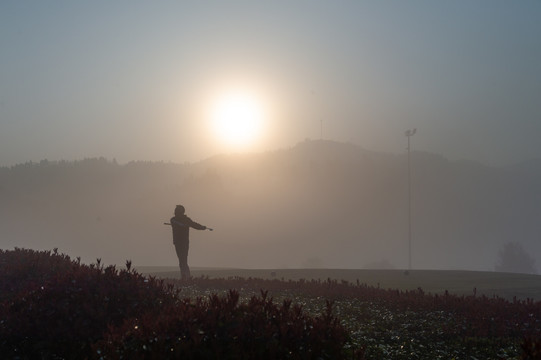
column 179, row 210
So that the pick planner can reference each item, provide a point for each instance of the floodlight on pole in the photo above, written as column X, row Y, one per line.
column 409, row 134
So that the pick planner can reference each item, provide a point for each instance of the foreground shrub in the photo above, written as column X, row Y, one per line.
column 54, row 307
column 392, row 324
column 469, row 316
column 224, row 329
column 531, row 349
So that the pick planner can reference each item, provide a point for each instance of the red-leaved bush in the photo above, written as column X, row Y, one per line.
column 221, row 328
column 54, row 307
column 475, row 316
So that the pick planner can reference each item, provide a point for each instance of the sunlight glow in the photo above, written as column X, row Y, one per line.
column 237, row 119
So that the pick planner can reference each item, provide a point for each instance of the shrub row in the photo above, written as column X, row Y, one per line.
column 474, row 316
column 54, row 307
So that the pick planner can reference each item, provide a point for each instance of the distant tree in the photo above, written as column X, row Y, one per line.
column 513, row 258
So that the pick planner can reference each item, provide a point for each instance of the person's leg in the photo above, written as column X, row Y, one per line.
column 182, row 254
column 186, row 273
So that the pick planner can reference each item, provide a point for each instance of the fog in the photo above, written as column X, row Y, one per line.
column 317, row 204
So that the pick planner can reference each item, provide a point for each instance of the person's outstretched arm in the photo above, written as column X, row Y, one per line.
column 195, row 225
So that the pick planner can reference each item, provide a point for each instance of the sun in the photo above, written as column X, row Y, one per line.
column 237, row 119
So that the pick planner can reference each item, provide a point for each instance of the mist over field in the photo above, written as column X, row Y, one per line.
column 318, row 204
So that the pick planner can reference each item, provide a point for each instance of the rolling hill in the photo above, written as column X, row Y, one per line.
column 318, row 204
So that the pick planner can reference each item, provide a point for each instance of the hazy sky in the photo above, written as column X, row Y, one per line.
column 136, row 80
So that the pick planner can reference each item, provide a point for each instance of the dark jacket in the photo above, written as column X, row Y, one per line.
column 181, row 228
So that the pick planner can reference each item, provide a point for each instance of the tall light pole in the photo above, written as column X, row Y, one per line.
column 409, row 134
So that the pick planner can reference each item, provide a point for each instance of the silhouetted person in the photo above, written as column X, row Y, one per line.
column 181, row 225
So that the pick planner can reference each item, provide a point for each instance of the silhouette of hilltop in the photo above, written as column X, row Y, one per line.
column 325, row 202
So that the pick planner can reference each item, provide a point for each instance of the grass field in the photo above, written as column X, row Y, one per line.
column 396, row 325
column 505, row 285
column 54, row 307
